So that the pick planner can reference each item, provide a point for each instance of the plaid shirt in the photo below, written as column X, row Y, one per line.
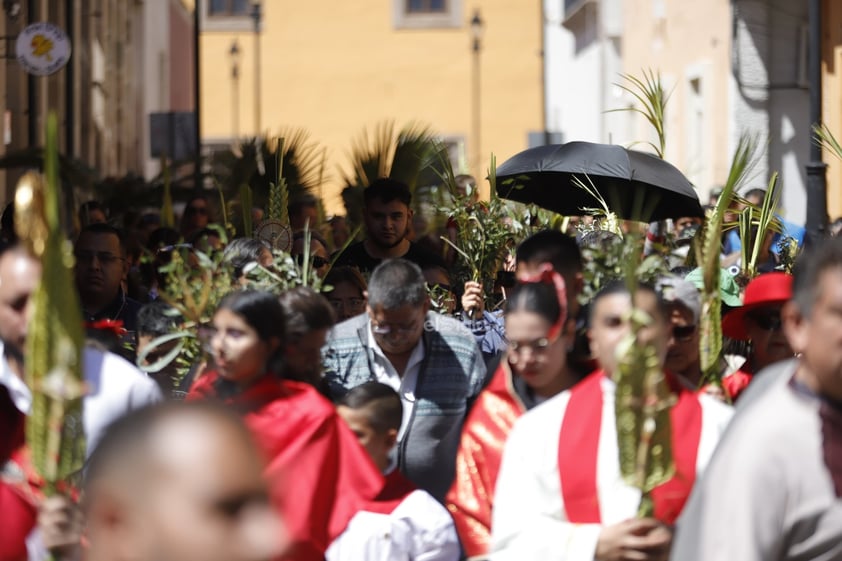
column 451, row 376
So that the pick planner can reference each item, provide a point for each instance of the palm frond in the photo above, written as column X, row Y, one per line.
column 649, row 92
column 745, row 158
column 823, row 136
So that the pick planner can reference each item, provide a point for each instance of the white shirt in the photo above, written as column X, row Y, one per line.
column 114, row 387
column 405, row 386
column 418, row 529
column 529, row 519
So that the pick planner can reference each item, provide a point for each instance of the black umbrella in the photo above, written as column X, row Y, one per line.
column 635, row 185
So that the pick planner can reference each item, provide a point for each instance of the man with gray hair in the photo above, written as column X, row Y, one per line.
column 432, row 361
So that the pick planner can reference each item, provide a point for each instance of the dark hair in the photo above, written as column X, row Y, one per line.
column 396, row 283
column 387, row 190
column 346, row 274
column 157, row 318
column 756, row 192
column 100, row 228
column 620, row 287
column 261, row 310
column 553, row 247
column 382, row 402
column 314, row 235
column 536, row 297
column 126, row 441
column 86, row 208
column 7, row 223
column 301, row 202
column 305, row 310
column 198, row 235
column 242, row 251
column 811, row 264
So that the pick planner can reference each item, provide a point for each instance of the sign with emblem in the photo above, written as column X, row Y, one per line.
column 42, row 48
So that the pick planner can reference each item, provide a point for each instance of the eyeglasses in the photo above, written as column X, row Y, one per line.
column 393, row 329
column 351, row 303
column 104, row 257
column 683, row 333
column 196, row 210
column 315, row 260
column 766, row 321
column 538, row 346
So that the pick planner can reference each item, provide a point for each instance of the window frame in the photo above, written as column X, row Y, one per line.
column 451, row 17
column 229, row 22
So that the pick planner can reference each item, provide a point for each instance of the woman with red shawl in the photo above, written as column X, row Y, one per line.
column 318, row 473
column 533, row 370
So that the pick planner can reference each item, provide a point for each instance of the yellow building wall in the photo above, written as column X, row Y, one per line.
column 832, row 99
column 682, row 40
column 339, row 68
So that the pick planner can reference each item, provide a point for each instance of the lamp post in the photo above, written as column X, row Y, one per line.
column 476, row 46
column 816, row 169
column 256, row 15
column 235, row 89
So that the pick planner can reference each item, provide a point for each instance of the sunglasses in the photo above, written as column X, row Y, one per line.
column 683, row 332
column 196, row 210
column 317, row 262
column 766, row 322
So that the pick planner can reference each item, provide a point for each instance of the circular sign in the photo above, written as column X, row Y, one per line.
column 42, row 48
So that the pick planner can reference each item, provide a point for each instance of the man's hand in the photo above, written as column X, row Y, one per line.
column 472, row 299
column 60, row 522
column 637, row 539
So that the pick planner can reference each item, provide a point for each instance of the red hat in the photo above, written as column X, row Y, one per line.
column 764, row 290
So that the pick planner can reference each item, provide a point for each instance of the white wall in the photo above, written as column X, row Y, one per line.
column 767, row 97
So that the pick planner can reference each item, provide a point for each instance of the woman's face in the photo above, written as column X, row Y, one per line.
column 240, row 354
column 542, row 363
column 347, row 300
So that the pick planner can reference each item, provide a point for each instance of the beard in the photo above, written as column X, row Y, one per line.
column 380, row 242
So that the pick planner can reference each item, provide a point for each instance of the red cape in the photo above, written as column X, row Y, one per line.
column 18, row 492
column 318, row 473
column 478, row 460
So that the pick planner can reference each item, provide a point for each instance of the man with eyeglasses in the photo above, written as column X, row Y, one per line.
column 432, row 361
column 101, row 268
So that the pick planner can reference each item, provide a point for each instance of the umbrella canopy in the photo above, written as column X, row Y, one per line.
column 635, row 185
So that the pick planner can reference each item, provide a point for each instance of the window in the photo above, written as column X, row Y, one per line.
column 426, row 6
column 228, row 8
column 228, row 15
column 425, row 14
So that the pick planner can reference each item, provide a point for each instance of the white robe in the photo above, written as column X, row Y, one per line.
column 529, row 519
column 767, row 494
column 418, row 529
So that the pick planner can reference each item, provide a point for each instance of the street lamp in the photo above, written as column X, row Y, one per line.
column 235, row 89
column 476, row 46
column 256, row 15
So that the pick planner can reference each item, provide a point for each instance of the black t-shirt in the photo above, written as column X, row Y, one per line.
column 355, row 255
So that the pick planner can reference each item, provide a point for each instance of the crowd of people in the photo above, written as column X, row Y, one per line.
column 358, row 421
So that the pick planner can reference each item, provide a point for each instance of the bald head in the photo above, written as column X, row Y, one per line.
column 20, row 274
column 177, row 482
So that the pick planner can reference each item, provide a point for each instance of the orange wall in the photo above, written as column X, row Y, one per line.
column 339, row 68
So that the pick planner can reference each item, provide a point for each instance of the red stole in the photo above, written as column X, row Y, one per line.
column 579, row 445
column 396, row 489
column 478, row 460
